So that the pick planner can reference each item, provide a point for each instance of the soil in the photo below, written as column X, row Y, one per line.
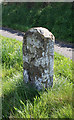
column 65, row 49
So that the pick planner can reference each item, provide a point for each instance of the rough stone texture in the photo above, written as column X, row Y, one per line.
column 38, row 56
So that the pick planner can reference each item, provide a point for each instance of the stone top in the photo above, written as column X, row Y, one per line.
column 43, row 31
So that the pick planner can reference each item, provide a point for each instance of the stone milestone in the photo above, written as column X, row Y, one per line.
column 38, row 57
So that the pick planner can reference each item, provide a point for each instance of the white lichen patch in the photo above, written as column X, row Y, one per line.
column 51, row 65
column 43, row 31
column 33, row 30
column 26, row 77
column 43, row 54
column 26, row 58
column 33, row 41
column 38, row 85
column 40, row 61
column 45, row 77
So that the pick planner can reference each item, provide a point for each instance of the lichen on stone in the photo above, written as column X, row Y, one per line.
column 38, row 52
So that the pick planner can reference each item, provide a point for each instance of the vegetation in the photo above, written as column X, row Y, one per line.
column 23, row 101
column 57, row 17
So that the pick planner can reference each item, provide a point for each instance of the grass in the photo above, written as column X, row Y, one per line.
column 20, row 100
column 57, row 17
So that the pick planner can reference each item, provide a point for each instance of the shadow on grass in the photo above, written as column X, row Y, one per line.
column 22, row 92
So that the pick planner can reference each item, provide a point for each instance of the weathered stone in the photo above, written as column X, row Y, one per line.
column 38, row 56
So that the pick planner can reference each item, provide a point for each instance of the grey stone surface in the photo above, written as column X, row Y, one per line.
column 38, row 57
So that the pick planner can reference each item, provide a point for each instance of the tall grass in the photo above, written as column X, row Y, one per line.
column 20, row 100
column 55, row 103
